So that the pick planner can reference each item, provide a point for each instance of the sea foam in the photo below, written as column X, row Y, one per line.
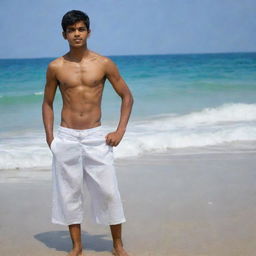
column 231, row 126
column 39, row 93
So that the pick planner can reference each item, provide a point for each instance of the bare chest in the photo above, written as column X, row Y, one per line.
column 88, row 75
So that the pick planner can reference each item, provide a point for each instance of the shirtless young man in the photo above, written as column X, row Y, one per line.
column 82, row 152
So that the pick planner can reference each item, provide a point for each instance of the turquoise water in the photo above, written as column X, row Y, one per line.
column 180, row 97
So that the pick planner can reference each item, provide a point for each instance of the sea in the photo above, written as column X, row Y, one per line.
column 183, row 104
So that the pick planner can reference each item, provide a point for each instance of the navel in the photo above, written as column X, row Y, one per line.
column 81, row 113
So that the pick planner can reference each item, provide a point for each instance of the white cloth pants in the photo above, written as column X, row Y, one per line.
column 79, row 157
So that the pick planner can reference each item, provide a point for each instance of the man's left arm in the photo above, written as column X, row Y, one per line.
column 121, row 88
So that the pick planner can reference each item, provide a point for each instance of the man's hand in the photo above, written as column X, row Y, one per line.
column 114, row 138
column 49, row 141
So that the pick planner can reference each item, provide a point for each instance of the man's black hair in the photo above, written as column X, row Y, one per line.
column 71, row 17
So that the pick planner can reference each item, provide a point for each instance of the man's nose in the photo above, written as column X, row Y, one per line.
column 77, row 33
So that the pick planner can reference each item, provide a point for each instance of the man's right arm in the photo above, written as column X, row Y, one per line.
column 47, row 106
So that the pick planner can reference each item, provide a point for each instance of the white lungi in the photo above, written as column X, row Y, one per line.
column 79, row 157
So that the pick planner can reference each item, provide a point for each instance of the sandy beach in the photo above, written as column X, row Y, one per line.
column 175, row 205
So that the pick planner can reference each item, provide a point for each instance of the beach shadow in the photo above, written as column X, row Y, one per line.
column 60, row 240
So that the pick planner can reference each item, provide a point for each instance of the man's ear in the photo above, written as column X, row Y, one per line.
column 89, row 33
column 64, row 35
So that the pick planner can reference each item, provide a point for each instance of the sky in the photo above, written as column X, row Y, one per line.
column 31, row 29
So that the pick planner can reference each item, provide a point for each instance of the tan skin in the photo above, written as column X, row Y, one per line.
column 80, row 75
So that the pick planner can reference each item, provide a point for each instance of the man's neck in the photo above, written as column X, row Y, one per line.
column 78, row 54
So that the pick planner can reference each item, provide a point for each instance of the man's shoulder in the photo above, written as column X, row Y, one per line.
column 101, row 58
column 55, row 63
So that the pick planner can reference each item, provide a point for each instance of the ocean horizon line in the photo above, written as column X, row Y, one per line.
column 138, row 55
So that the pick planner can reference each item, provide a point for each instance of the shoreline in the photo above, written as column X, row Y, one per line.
column 185, row 205
column 180, row 153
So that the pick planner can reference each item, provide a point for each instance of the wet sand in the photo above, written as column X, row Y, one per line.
column 183, row 205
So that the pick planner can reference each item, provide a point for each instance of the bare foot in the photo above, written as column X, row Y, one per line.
column 76, row 252
column 119, row 251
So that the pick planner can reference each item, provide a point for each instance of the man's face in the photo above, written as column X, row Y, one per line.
column 76, row 34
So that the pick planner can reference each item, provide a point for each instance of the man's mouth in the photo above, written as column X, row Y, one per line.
column 78, row 40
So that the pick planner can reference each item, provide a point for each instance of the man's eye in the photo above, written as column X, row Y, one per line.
column 82, row 29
